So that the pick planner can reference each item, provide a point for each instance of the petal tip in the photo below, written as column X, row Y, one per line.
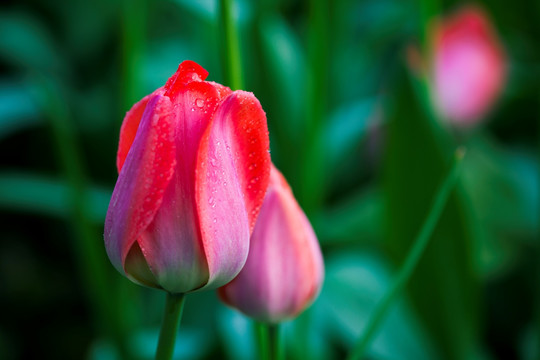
column 188, row 72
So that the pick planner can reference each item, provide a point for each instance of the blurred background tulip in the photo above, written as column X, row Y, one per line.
column 355, row 133
column 468, row 65
column 284, row 270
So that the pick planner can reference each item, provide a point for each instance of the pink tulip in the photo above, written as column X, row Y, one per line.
column 284, row 270
column 468, row 66
column 193, row 166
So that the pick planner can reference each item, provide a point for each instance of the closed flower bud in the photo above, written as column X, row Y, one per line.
column 193, row 167
column 468, row 66
column 284, row 271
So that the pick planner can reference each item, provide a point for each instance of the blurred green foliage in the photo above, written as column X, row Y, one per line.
column 352, row 131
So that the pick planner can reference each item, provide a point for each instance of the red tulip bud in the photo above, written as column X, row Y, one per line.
column 284, row 270
column 468, row 66
column 193, row 168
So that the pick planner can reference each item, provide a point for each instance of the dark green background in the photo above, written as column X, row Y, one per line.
column 352, row 131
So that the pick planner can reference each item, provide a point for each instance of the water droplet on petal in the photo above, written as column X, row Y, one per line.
column 199, row 103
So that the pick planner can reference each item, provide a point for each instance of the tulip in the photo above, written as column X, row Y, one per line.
column 194, row 164
column 284, row 270
column 468, row 66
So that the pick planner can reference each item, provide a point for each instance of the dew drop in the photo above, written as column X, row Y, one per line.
column 215, row 220
column 199, row 103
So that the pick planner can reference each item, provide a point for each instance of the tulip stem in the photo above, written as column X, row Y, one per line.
column 416, row 252
column 313, row 171
column 261, row 332
column 269, row 341
column 231, row 56
column 274, row 342
column 133, row 42
column 171, row 321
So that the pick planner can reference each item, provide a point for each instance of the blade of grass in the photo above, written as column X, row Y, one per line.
column 133, row 34
column 261, row 334
column 230, row 49
column 313, row 171
column 88, row 243
column 412, row 258
column 48, row 196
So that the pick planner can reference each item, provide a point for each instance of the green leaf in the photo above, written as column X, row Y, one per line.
column 353, row 286
column 356, row 220
column 47, row 196
column 444, row 288
column 237, row 334
column 496, row 180
column 347, row 127
column 285, row 62
column 17, row 108
column 26, row 42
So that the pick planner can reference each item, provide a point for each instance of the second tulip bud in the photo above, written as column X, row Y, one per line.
column 284, row 270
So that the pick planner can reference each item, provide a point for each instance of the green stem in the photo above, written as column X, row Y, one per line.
column 313, row 171
column 171, row 321
column 231, row 49
column 412, row 259
column 275, row 347
column 538, row 263
column 88, row 242
column 133, row 41
column 429, row 9
column 261, row 334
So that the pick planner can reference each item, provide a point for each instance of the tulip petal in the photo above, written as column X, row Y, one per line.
column 231, row 179
column 284, row 270
column 146, row 173
column 469, row 66
column 188, row 72
column 130, row 126
column 172, row 243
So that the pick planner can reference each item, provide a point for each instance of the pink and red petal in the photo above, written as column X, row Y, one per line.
column 143, row 178
column 231, row 179
column 130, row 126
column 284, row 270
column 172, row 243
column 187, row 73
